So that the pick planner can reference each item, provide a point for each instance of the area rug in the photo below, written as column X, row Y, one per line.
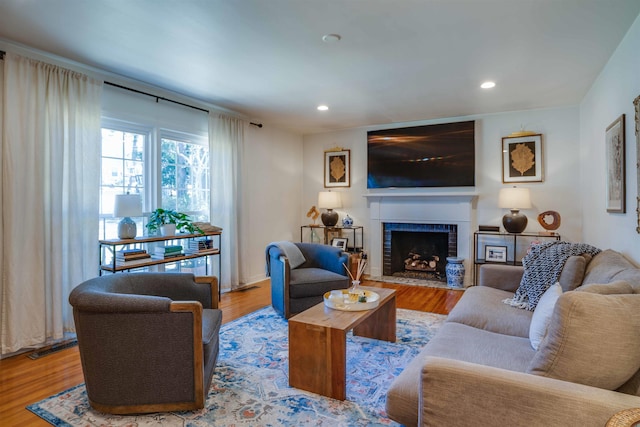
column 250, row 384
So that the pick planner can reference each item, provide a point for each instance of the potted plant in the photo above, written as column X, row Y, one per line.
column 170, row 221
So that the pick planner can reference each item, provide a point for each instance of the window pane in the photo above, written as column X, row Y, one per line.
column 122, row 171
column 185, row 176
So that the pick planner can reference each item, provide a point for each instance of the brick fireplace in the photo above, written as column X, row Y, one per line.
column 418, row 251
column 433, row 213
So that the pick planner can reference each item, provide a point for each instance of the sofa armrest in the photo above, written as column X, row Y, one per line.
column 505, row 277
column 455, row 393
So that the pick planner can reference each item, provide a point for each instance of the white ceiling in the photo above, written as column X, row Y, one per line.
column 398, row 61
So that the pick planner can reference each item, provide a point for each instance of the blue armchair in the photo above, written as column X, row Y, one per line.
column 294, row 290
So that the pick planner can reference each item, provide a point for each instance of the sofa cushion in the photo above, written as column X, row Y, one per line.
column 542, row 315
column 592, row 339
column 604, row 266
column 617, row 287
column 482, row 307
column 460, row 342
column 307, row 282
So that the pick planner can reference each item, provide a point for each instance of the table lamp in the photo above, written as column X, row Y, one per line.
column 126, row 206
column 514, row 199
column 329, row 200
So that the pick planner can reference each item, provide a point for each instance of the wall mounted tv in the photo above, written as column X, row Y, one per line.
column 441, row 155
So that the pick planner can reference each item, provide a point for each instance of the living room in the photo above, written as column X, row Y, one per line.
column 283, row 160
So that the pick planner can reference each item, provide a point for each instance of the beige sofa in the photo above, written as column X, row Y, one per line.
column 480, row 368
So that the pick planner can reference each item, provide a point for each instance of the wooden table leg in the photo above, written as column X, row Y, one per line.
column 381, row 325
column 317, row 359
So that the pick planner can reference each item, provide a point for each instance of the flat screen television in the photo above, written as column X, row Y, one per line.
column 441, row 155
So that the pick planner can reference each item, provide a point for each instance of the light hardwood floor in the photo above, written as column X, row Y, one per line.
column 24, row 381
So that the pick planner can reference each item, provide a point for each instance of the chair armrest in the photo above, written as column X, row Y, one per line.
column 505, row 277
column 455, row 393
column 212, row 283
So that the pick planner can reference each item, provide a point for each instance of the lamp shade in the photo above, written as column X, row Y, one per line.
column 127, row 205
column 329, row 200
column 514, row 198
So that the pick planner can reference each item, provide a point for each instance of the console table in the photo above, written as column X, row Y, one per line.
column 354, row 234
column 515, row 246
column 109, row 247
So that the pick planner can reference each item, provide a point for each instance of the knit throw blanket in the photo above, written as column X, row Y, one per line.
column 542, row 267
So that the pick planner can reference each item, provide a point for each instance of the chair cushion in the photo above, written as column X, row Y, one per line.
column 592, row 340
column 211, row 322
column 308, row 282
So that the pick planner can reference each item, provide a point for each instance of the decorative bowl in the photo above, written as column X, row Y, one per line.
column 346, row 301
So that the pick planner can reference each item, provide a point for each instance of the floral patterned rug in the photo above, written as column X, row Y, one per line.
column 250, row 384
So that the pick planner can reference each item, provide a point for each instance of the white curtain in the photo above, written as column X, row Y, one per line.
column 50, row 182
column 226, row 151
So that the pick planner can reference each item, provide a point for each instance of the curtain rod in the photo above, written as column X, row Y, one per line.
column 160, row 97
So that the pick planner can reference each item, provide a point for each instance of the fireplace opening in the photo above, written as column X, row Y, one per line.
column 418, row 251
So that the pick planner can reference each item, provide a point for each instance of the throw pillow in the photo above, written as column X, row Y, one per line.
column 542, row 315
column 542, row 268
column 572, row 273
column 592, row 340
column 617, row 287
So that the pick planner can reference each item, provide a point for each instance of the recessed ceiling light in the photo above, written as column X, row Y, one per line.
column 331, row 38
column 322, row 108
column 487, row 85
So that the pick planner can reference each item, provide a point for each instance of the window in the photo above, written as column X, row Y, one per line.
column 185, row 176
column 130, row 155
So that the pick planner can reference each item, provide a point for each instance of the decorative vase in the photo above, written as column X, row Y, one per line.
column 347, row 221
column 355, row 286
column 455, row 272
column 168, row 229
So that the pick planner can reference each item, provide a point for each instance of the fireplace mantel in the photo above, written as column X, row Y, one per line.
column 460, row 196
column 421, row 207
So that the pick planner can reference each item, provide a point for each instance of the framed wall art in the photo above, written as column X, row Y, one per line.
column 614, row 155
column 522, row 158
column 337, row 165
column 636, row 103
column 495, row 253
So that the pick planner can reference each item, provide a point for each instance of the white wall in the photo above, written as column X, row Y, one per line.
column 558, row 191
column 273, row 175
column 611, row 95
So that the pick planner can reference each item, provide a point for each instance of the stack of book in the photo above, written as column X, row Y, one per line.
column 168, row 251
column 198, row 245
column 131, row 254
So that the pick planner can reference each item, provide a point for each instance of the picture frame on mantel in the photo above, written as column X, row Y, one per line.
column 337, row 168
column 615, row 156
column 522, row 158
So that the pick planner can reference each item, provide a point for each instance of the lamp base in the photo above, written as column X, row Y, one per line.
column 127, row 228
column 329, row 218
column 514, row 222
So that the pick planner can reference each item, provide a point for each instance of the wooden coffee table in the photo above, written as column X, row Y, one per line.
column 318, row 347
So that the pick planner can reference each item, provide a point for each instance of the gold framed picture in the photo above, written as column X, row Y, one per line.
column 337, row 168
column 522, row 158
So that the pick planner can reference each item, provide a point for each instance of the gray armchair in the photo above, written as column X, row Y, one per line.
column 148, row 341
column 294, row 290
